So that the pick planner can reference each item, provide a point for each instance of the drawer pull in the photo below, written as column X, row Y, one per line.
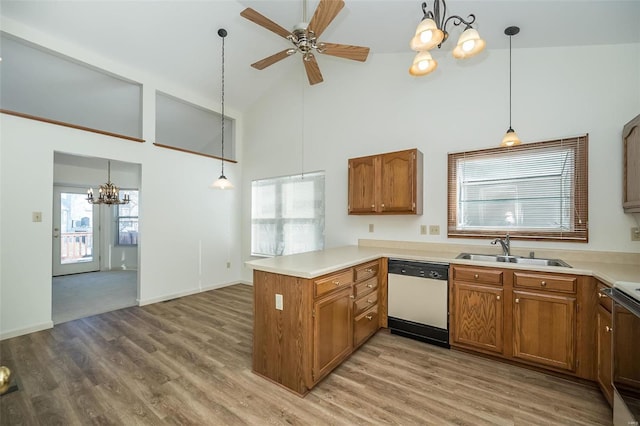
column 352, row 297
column 543, row 283
column 608, row 329
column 368, row 270
column 600, row 295
column 517, row 300
column 476, row 276
column 370, row 301
column 336, row 282
column 369, row 285
column 497, row 297
column 369, row 317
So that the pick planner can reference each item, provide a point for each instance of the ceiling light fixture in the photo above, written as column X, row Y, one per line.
column 108, row 193
column 432, row 32
column 511, row 137
column 222, row 182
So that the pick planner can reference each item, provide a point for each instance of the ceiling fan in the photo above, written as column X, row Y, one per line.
column 304, row 38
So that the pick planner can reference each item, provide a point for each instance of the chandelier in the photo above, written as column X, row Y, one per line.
column 432, row 32
column 108, row 193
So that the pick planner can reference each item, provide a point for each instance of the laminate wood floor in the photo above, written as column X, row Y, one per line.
column 188, row 361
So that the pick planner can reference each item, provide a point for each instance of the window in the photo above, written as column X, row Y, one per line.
column 533, row 191
column 127, row 220
column 287, row 214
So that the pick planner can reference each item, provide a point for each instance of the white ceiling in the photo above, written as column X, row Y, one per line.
column 178, row 41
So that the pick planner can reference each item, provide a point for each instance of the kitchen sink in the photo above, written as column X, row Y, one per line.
column 513, row 259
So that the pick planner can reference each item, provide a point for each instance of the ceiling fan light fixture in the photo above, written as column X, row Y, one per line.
column 423, row 64
column 469, row 44
column 427, row 36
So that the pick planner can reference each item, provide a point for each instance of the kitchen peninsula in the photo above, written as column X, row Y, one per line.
column 313, row 310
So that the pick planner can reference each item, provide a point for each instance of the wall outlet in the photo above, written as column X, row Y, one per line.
column 279, row 302
column 371, row 227
column 36, row 217
column 423, row 229
column 635, row 234
column 434, row 229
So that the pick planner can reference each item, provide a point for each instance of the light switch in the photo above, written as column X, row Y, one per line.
column 36, row 217
column 279, row 302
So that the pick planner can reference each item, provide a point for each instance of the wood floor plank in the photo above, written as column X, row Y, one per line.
column 188, row 361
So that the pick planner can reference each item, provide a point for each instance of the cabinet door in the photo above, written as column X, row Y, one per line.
column 603, row 348
column 398, row 186
column 478, row 317
column 362, row 185
column 631, row 190
column 332, row 331
column 545, row 329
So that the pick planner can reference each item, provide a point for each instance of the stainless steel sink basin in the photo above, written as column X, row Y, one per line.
column 513, row 259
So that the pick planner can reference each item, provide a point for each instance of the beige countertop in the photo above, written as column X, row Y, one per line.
column 314, row 264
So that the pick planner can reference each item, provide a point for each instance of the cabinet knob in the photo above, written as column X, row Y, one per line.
column 476, row 276
column 336, row 282
column 600, row 295
column 497, row 297
column 543, row 283
column 368, row 270
column 373, row 207
column 369, row 317
column 608, row 329
column 352, row 297
column 517, row 300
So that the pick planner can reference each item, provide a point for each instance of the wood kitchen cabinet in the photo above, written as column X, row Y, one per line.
column 604, row 354
column 304, row 328
column 528, row 317
column 631, row 166
column 388, row 183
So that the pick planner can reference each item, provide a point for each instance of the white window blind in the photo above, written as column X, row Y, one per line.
column 536, row 190
column 287, row 214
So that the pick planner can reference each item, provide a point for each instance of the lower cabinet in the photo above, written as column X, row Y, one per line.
column 304, row 328
column 332, row 331
column 604, row 353
column 478, row 317
column 544, row 329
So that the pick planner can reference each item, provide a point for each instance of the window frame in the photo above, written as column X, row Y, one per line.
column 279, row 221
column 118, row 218
column 579, row 232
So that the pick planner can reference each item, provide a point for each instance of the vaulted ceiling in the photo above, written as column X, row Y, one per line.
column 177, row 40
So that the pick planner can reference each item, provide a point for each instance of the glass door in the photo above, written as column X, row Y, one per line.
column 75, row 232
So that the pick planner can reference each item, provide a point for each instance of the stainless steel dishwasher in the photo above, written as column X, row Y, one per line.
column 418, row 300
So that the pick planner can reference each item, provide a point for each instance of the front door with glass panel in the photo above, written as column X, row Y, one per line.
column 75, row 232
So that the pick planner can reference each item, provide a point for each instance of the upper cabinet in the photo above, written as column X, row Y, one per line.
column 631, row 190
column 388, row 183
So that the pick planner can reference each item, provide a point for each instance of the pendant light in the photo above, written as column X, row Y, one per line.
column 511, row 137
column 222, row 182
column 108, row 193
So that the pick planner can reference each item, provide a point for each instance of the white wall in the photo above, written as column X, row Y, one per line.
column 377, row 107
column 188, row 231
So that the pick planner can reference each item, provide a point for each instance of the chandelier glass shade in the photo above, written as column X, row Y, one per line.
column 432, row 32
column 222, row 182
column 423, row 64
column 107, row 193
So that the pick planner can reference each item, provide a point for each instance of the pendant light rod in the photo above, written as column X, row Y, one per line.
column 511, row 137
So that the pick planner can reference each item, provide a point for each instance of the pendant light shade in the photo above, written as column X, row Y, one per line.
column 469, row 44
column 511, row 137
column 222, row 182
column 423, row 64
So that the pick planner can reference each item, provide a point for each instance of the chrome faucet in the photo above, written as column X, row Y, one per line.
column 506, row 245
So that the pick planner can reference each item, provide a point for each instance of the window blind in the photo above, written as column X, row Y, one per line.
column 533, row 191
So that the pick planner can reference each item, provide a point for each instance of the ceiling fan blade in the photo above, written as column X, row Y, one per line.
column 347, row 51
column 270, row 60
column 265, row 22
column 313, row 70
column 325, row 13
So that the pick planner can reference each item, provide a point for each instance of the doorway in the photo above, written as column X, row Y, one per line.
column 95, row 246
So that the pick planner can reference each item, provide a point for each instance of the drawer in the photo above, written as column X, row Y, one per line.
column 563, row 284
column 366, row 287
column 477, row 275
column 365, row 326
column 604, row 300
column 329, row 283
column 366, row 302
column 366, row 271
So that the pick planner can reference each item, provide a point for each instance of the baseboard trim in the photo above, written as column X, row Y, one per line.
column 187, row 293
column 27, row 330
